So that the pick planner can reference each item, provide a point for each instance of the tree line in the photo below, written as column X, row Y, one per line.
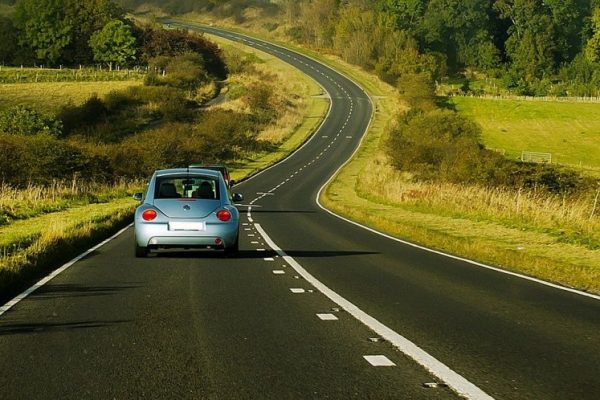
column 73, row 32
column 536, row 47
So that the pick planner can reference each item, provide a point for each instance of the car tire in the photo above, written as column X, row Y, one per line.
column 141, row 252
column 234, row 249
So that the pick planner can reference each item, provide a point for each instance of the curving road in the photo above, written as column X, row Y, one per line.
column 295, row 315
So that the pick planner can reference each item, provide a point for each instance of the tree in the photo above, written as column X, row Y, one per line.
column 592, row 48
column 354, row 35
column 88, row 17
column 114, row 44
column 44, row 27
column 402, row 14
column 461, row 30
column 8, row 44
column 318, row 21
column 532, row 45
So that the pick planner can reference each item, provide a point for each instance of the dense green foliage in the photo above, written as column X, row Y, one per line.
column 537, row 47
column 22, row 120
column 113, row 44
column 73, row 32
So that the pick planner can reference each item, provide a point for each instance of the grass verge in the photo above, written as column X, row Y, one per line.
column 53, row 239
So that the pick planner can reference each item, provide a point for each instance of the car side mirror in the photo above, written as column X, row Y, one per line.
column 138, row 196
column 237, row 197
column 232, row 182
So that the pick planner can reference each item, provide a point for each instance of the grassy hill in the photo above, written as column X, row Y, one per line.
column 568, row 130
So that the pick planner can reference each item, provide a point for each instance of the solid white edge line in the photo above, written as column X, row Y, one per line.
column 57, row 272
column 455, row 381
column 479, row 264
column 466, row 260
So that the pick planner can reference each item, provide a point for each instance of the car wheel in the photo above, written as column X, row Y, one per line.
column 140, row 251
column 233, row 250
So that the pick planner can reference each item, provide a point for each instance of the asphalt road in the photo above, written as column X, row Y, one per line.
column 190, row 325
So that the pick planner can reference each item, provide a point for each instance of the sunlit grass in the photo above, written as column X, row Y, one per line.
column 570, row 131
column 33, row 200
column 50, row 96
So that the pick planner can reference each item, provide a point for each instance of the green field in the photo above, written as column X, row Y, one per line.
column 50, row 96
column 570, row 131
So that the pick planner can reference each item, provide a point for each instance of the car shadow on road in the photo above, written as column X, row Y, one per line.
column 49, row 327
column 262, row 211
column 302, row 253
column 255, row 254
column 51, row 291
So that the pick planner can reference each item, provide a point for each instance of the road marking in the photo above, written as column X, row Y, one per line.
column 261, row 250
column 254, row 242
column 297, row 290
column 58, row 271
column 379, row 361
column 327, row 317
column 269, row 259
column 278, row 272
column 458, row 383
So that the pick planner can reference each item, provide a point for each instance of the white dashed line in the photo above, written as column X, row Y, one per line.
column 327, row 317
column 297, row 290
column 379, row 361
column 457, row 382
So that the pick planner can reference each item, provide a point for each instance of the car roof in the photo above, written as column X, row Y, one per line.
column 184, row 171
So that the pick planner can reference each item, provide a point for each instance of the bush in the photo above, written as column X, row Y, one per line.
column 41, row 159
column 418, row 90
column 438, row 145
column 24, row 120
column 155, row 42
column 184, row 72
column 259, row 98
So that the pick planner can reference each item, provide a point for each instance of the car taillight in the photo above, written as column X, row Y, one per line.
column 149, row 215
column 224, row 215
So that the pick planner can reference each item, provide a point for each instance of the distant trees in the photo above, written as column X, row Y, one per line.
column 60, row 30
column 9, row 42
column 592, row 48
column 44, row 27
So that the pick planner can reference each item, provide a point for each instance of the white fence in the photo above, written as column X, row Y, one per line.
column 540, row 158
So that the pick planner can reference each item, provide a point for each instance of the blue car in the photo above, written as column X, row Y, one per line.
column 187, row 208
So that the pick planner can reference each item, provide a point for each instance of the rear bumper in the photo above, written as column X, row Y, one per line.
column 158, row 235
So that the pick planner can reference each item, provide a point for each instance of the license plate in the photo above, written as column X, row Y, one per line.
column 187, row 226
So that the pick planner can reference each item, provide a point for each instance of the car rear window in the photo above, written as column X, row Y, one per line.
column 187, row 187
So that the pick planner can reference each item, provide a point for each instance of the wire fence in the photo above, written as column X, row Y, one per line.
column 81, row 74
column 565, row 99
